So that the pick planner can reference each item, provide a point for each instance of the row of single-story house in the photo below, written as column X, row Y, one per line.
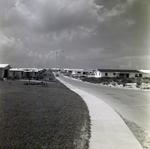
column 7, row 72
column 121, row 73
column 107, row 73
column 23, row 73
column 78, row 72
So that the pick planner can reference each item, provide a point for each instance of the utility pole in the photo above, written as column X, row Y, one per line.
column 57, row 52
column 56, row 57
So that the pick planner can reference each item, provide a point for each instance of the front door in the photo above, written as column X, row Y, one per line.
column 127, row 75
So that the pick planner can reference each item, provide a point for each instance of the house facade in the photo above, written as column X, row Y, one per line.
column 81, row 72
column 4, row 70
column 117, row 73
column 16, row 73
column 30, row 73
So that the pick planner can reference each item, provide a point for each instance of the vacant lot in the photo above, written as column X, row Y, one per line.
column 42, row 117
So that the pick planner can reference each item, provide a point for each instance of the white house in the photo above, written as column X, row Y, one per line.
column 77, row 72
column 117, row 73
column 16, row 73
column 30, row 72
column 4, row 70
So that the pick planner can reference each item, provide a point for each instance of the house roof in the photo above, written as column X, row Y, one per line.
column 4, row 65
column 16, row 69
column 31, row 69
column 145, row 71
column 117, row 70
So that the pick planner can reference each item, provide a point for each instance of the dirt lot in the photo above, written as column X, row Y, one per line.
column 42, row 117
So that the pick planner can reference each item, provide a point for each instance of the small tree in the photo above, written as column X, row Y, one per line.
column 139, row 82
column 29, row 78
column 124, row 81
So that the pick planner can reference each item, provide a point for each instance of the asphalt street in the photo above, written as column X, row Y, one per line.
column 134, row 105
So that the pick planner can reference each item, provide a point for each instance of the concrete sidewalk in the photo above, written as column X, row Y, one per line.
column 108, row 130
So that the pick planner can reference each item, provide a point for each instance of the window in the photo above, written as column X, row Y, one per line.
column 106, row 74
column 127, row 75
column 121, row 75
column 114, row 74
column 136, row 75
column 140, row 75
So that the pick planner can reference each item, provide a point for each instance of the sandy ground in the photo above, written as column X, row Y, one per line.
column 139, row 132
column 131, row 86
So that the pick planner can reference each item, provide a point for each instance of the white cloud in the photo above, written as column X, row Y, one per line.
column 130, row 2
column 129, row 22
column 58, row 15
column 12, row 43
column 117, row 10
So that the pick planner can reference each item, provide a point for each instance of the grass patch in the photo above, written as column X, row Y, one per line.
column 42, row 117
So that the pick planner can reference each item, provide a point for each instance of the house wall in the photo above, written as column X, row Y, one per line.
column 108, row 74
column 129, row 74
column 99, row 74
column 145, row 75
column 125, row 74
column 77, row 73
column 29, row 73
column 133, row 75
column 11, row 74
column 16, row 74
column 34, row 74
column 1, row 72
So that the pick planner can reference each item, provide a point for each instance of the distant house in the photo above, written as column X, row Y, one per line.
column 4, row 70
column 77, row 72
column 31, row 72
column 117, row 73
column 16, row 73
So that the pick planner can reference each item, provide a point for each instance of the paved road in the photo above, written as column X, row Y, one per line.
column 131, row 104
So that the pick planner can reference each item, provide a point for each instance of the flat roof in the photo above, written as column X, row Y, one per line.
column 145, row 71
column 117, row 70
column 16, row 69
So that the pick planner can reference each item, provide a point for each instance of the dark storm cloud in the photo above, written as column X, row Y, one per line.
column 92, row 33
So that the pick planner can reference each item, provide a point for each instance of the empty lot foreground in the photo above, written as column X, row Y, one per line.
column 42, row 117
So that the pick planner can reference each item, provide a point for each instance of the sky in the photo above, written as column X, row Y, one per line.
column 85, row 34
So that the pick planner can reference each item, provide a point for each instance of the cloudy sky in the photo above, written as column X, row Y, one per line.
column 92, row 33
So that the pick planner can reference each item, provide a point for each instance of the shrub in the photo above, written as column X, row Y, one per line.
column 131, row 80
